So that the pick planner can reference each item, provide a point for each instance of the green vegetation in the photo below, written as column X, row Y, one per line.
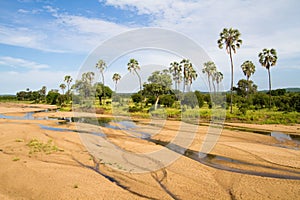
column 16, row 159
column 38, row 146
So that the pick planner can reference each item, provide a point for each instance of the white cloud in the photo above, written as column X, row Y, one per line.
column 33, row 79
column 61, row 33
column 21, row 63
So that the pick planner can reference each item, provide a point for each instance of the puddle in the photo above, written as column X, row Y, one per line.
column 26, row 116
column 282, row 137
column 70, row 130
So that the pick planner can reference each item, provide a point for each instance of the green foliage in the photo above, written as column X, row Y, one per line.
column 38, row 146
column 137, row 98
column 52, row 97
column 200, row 98
column 16, row 159
column 162, row 78
column 244, row 86
column 190, row 100
column 8, row 98
column 167, row 100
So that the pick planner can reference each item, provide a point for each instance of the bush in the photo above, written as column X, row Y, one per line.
column 134, row 109
column 167, row 100
column 190, row 100
column 137, row 98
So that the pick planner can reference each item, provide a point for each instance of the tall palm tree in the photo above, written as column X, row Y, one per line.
column 191, row 76
column 218, row 76
column 231, row 39
column 268, row 58
column 133, row 66
column 209, row 69
column 248, row 68
column 62, row 87
column 101, row 65
column 175, row 69
column 187, row 67
column 68, row 80
column 116, row 77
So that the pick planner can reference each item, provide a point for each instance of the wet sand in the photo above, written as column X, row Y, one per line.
column 75, row 174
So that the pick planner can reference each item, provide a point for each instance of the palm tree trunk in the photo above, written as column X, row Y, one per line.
column 103, row 87
column 269, row 88
column 140, row 81
column 209, row 85
column 68, row 92
column 248, row 84
column 231, row 88
column 214, row 86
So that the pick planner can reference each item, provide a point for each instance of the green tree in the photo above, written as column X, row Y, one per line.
column 245, row 87
column 133, row 66
column 248, row 69
column 137, row 97
column 116, row 77
column 62, row 87
column 167, row 100
column 176, row 69
column 52, row 97
column 102, row 91
column 190, row 99
column 268, row 58
column 162, row 78
column 154, row 89
column 200, row 98
column 231, row 39
column 84, row 85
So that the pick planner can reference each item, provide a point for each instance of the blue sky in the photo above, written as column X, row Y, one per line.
column 42, row 41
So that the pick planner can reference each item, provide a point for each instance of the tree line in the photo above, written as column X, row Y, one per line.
column 158, row 90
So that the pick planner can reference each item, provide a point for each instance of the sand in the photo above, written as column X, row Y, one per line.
column 73, row 173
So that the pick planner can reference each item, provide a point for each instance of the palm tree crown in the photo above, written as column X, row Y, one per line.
column 116, row 77
column 133, row 66
column 268, row 58
column 62, row 87
column 101, row 65
column 231, row 39
column 248, row 68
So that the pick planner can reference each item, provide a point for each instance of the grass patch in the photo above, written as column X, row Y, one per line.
column 39, row 146
column 16, row 159
column 19, row 140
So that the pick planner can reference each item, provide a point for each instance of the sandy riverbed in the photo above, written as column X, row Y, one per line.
column 74, row 174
